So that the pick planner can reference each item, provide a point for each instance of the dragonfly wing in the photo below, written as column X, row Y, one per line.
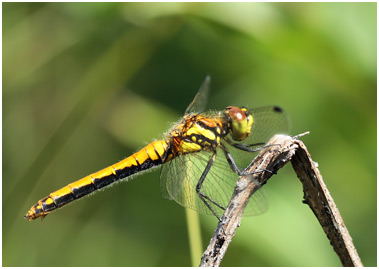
column 180, row 177
column 258, row 203
column 222, row 182
column 199, row 103
column 268, row 121
column 163, row 181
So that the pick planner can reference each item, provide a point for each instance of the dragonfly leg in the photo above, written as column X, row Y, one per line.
column 236, row 169
column 264, row 170
column 248, row 147
column 232, row 163
column 201, row 195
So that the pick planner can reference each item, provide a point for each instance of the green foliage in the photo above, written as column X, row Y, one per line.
column 86, row 84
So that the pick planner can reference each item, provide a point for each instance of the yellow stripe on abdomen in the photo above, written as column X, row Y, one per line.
column 152, row 155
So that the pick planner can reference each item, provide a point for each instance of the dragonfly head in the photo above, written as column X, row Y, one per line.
column 239, row 121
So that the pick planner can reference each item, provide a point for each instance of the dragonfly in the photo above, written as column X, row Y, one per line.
column 200, row 155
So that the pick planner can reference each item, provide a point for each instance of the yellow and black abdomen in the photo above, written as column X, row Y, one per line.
column 152, row 155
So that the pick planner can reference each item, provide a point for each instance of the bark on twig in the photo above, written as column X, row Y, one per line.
column 316, row 195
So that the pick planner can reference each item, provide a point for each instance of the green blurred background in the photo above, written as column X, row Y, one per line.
column 87, row 84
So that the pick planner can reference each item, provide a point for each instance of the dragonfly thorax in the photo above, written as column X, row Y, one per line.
column 239, row 121
column 197, row 133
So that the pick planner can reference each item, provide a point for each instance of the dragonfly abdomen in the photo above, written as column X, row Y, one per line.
column 152, row 155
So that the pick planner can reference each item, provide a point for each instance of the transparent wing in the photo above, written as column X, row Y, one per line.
column 199, row 103
column 180, row 177
column 268, row 121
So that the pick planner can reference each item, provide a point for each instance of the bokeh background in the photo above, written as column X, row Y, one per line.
column 87, row 84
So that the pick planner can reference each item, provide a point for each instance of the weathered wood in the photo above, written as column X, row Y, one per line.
column 268, row 162
column 317, row 196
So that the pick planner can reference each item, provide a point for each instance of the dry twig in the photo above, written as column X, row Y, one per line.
column 316, row 196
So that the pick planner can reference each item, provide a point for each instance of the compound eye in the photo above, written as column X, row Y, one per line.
column 239, row 123
column 236, row 114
